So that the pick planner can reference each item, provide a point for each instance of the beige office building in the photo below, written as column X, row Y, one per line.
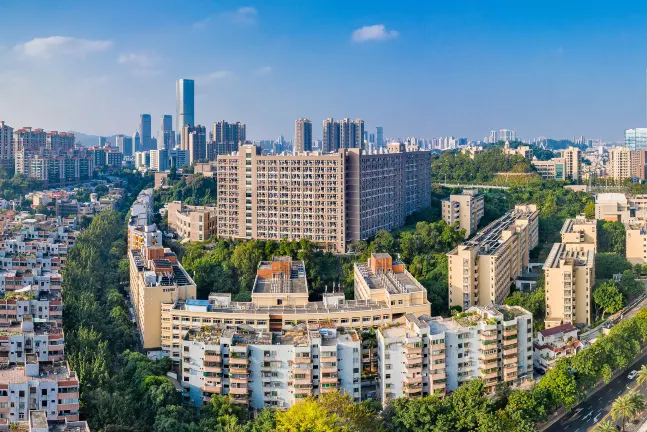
column 192, row 223
column 467, row 209
column 636, row 232
column 332, row 199
column 620, row 163
column 481, row 269
column 580, row 231
column 639, row 164
column 569, row 274
column 572, row 158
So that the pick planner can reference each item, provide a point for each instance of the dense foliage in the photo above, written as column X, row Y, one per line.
column 611, row 237
column 17, row 186
column 460, row 167
column 192, row 190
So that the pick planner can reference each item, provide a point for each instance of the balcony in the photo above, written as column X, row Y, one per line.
column 234, row 362
column 303, row 391
column 240, row 399
column 510, row 376
column 415, row 369
column 488, row 336
column 491, row 356
column 415, row 359
column 328, row 380
column 238, row 390
column 413, row 391
column 212, row 369
column 213, row 389
column 302, row 360
column 438, row 376
column 413, row 380
column 436, row 347
column 510, row 331
column 239, row 380
column 412, row 349
column 213, row 358
column 238, row 371
column 510, row 351
column 512, row 359
column 508, row 342
column 486, row 374
column 329, row 369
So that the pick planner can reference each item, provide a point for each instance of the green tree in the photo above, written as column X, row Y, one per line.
column 629, row 286
column 641, row 378
column 308, row 416
column 608, row 264
column 624, row 408
column 611, row 237
column 608, row 298
column 605, row 426
column 589, row 210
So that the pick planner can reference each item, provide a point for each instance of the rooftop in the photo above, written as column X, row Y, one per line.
column 489, row 239
column 570, row 223
column 394, row 283
column 561, row 255
column 282, row 275
column 564, row 328
column 51, row 372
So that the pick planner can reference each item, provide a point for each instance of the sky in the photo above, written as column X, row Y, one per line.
column 417, row 68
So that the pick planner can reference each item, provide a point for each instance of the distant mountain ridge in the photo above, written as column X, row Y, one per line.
column 91, row 140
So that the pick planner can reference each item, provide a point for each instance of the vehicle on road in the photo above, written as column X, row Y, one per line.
column 540, row 371
column 632, row 374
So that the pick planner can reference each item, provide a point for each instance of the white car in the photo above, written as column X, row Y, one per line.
column 632, row 374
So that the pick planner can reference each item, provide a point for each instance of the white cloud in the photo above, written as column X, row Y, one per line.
column 242, row 15
column 377, row 32
column 214, row 76
column 265, row 70
column 143, row 64
column 44, row 48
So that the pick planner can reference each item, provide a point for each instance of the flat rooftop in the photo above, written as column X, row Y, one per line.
column 47, row 372
column 560, row 255
column 294, row 282
column 394, row 283
column 488, row 240
column 570, row 223
column 177, row 277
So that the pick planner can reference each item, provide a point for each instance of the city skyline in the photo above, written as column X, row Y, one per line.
column 545, row 66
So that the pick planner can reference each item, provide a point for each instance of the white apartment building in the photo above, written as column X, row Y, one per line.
column 467, row 209
column 434, row 355
column 269, row 370
column 620, row 163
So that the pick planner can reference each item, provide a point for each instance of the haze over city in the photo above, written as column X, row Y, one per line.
column 424, row 69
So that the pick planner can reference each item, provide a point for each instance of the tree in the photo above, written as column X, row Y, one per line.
column 641, row 378
column 589, row 210
column 611, row 237
column 607, row 297
column 624, row 407
column 307, row 416
column 606, row 426
column 264, row 422
column 369, row 342
column 608, row 264
column 629, row 286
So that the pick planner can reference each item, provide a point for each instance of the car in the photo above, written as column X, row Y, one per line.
column 632, row 374
column 540, row 371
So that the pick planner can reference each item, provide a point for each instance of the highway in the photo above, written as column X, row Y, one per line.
column 591, row 411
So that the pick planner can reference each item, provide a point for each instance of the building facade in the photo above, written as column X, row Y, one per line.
column 636, row 139
column 482, row 268
column 620, row 163
column 467, row 209
column 185, row 100
column 192, row 223
column 302, row 136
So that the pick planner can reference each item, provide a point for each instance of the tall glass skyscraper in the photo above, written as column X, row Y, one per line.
column 145, row 131
column 165, row 137
column 184, row 96
column 636, row 139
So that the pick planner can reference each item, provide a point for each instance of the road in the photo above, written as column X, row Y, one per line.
column 592, row 410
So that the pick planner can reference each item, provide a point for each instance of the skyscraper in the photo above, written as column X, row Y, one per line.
column 137, row 144
column 345, row 133
column 6, row 145
column 227, row 136
column 194, row 139
column 358, row 133
column 380, row 136
column 125, row 144
column 303, row 135
column 330, row 136
column 145, row 131
column 184, row 95
column 165, row 139
column 636, row 139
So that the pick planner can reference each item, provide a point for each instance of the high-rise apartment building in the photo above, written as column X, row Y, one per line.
column 351, row 133
column 569, row 278
column 358, row 129
column 302, row 136
column 59, row 141
column 433, row 355
column 261, row 369
column 467, row 209
column 194, row 139
column 379, row 132
column 159, row 160
column 639, row 164
column 620, row 163
column 6, row 145
column 493, row 137
column 145, row 132
column 331, row 137
column 580, row 231
column 226, row 137
column 125, row 144
column 572, row 158
column 185, row 99
column 636, row 139
column 384, row 187
column 332, row 199
column 482, row 268
column 166, row 137
column 137, row 142
column 506, row 135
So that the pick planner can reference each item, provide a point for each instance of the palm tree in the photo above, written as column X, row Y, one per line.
column 638, row 400
column 641, row 378
column 623, row 407
column 605, row 426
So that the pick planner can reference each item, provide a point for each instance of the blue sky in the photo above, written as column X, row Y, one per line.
column 423, row 68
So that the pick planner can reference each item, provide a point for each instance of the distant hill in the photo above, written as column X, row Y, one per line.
column 90, row 140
